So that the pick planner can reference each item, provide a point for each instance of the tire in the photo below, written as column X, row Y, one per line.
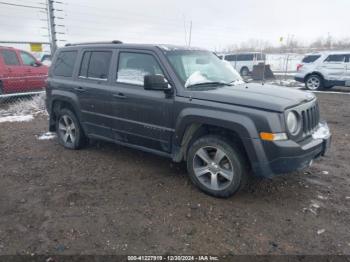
column 244, row 72
column 221, row 178
column 314, row 82
column 69, row 131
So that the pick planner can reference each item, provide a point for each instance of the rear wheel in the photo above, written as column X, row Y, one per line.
column 69, row 131
column 244, row 71
column 216, row 167
column 314, row 82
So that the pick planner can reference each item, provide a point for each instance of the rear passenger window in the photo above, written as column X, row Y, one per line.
column 64, row 64
column 132, row 68
column 335, row 58
column 95, row 64
column 245, row 57
column 310, row 59
column 10, row 57
column 347, row 59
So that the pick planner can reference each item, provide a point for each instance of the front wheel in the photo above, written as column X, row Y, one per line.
column 216, row 167
column 69, row 131
column 314, row 82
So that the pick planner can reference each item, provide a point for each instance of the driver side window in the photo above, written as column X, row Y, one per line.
column 27, row 59
column 132, row 67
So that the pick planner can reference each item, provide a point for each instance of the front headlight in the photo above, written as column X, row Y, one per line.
column 293, row 123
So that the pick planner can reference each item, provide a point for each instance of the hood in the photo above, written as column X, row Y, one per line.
column 267, row 97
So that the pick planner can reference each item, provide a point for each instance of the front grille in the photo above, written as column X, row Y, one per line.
column 310, row 118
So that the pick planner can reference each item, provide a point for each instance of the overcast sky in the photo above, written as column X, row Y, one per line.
column 216, row 24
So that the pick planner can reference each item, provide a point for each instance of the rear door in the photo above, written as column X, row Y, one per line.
column 142, row 117
column 94, row 91
column 36, row 74
column 334, row 67
column 14, row 80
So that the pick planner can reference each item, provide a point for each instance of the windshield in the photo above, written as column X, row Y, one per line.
column 198, row 68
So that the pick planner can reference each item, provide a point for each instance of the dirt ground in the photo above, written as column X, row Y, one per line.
column 107, row 199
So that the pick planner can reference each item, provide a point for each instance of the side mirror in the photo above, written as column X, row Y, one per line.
column 37, row 63
column 156, row 82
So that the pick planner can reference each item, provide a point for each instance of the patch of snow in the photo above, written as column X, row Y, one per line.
column 19, row 118
column 196, row 78
column 313, row 207
column 322, row 197
column 47, row 136
column 348, row 197
column 287, row 83
column 24, row 109
column 324, row 172
column 320, row 231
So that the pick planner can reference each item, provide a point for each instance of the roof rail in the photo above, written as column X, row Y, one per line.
column 92, row 43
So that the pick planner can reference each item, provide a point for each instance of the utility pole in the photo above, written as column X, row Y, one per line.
column 190, row 34
column 52, row 26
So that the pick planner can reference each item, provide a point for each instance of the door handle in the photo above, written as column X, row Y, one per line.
column 119, row 96
column 80, row 89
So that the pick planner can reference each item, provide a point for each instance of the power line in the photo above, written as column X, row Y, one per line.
column 20, row 5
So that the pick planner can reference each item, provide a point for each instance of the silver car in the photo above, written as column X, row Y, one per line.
column 324, row 70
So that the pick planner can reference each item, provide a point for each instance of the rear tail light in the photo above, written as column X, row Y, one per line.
column 299, row 66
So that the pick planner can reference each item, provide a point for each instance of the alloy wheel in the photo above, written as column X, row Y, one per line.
column 213, row 168
column 313, row 83
column 67, row 129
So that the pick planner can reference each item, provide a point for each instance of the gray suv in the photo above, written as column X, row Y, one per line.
column 185, row 104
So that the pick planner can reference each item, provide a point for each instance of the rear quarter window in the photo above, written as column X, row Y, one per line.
column 310, row 59
column 95, row 64
column 64, row 64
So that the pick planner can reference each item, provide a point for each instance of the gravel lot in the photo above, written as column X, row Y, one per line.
column 107, row 199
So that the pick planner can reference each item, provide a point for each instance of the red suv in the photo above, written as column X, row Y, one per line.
column 20, row 71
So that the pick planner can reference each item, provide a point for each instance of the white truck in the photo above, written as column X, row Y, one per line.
column 244, row 62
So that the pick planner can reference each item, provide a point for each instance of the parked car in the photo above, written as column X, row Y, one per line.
column 20, row 71
column 244, row 62
column 46, row 59
column 185, row 104
column 324, row 70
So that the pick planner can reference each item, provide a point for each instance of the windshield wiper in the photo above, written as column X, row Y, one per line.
column 210, row 83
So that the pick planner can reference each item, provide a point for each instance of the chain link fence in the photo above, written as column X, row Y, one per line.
column 23, row 70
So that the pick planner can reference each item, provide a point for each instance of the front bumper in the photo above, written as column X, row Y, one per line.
column 289, row 156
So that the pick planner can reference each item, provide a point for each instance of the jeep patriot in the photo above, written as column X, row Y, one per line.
column 186, row 104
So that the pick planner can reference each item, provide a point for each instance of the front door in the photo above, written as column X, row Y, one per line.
column 334, row 67
column 36, row 74
column 14, row 80
column 142, row 117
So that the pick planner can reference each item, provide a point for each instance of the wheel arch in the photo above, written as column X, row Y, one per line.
column 58, row 103
column 244, row 67
column 240, row 132
column 313, row 73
